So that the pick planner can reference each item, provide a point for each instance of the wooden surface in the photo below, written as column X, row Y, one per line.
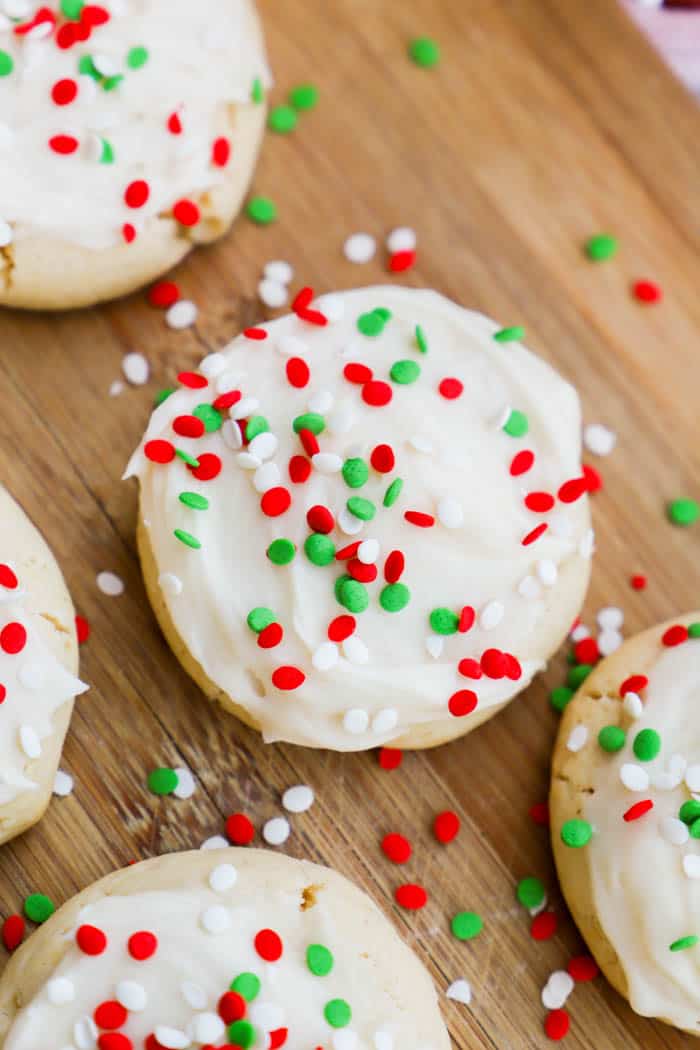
column 546, row 122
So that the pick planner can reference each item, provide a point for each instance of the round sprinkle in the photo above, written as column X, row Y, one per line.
column 110, row 584
column 647, row 745
column 601, row 247
column 352, row 595
column 276, row 831
column 530, row 892
column 444, row 621
column 38, row 907
column 424, row 52
column 310, row 421
column 394, row 597
column 247, row 985
column 181, row 315
column 298, row 799
column 268, row 945
column 355, row 472
column 338, row 1013
column 288, row 678
column 281, row 552
column 647, row 292
column 556, row 1024
column 282, row 119
column 411, row 897
column 162, row 781
column 363, row 509
column 241, row 1034
column 612, row 738
column 560, row 697
column 690, row 811
column 405, row 372
column 137, row 57
column 260, row 618
column 466, row 925
column 446, row 826
column 319, row 549
column 683, row 512
column 371, row 324
column 576, row 833
column 303, row 96
column 517, row 424
column 359, row 248
column 684, row 942
column 462, row 703
column 319, row 960
column 261, row 210
column 6, row 63
column 91, row 940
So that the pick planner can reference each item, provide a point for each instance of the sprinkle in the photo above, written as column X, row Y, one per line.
column 319, row 960
column 215, row 919
column 393, row 492
column 399, row 262
column 136, row 194
column 411, row 897
column 599, row 439
column 275, row 501
column 491, row 615
column 424, row 52
column 181, row 314
column 325, row 656
column 303, row 97
column 612, row 738
column 214, row 842
column 298, row 799
column 270, row 636
column 576, row 833
column 220, row 152
column 186, row 784
column 359, row 248
column 638, row 582
column 466, row 925
column 509, row 335
column 64, row 145
column 390, row 758
column 530, row 892
column 394, row 597
column 279, row 271
column 261, row 210
column 376, row 393
column 420, row 519
column 683, row 512
column 405, row 372
column 38, row 907
column 338, row 1013
column 186, row 212
column 60, row 990
column 543, row 926
column 287, row 678
column 187, row 539
column 601, row 247
column 137, row 57
column 557, row 990
column 272, row 293
column 356, row 720
column 444, row 621
column 13, row 932
column 577, row 738
column 462, row 703
column 110, row 584
column 281, row 551
column 446, row 826
column 451, row 388
column 556, row 1024
column 647, row 292
column 634, row 777
column 684, row 942
column 516, row 424
column 240, row 830
column 276, row 831
column 647, row 745
column 675, row 635
column 639, row 809
column 355, row 650
column 282, row 119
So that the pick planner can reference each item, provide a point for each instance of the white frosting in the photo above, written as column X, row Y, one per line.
column 202, row 58
column 176, row 991
column 35, row 685
column 454, row 458
column 644, row 898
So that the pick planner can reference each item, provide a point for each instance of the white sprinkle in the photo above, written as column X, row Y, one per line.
column 263, row 445
column 435, row 643
column 105, row 65
column 692, row 777
column 279, row 270
column 421, row 443
column 62, row 783
column 385, row 720
column 213, row 364
column 215, row 919
column 222, row 878
column 17, row 8
column 460, row 991
column 579, row 632
column 561, row 525
column 402, row 239
column 586, row 547
column 29, row 741
column 333, row 306
column 131, row 995
column 247, row 406
column 577, row 738
column 170, row 584
column 248, row 461
column 215, row 842
column 383, row 1041
column 110, row 584
column 529, row 588
column 268, row 1016
column 273, row 293
column 368, row 552
column 291, row 345
column 181, row 314
column 355, row 650
column 5, row 234
column 326, row 656
column 344, row 1039
column 172, row 1038
column 491, row 615
column 194, row 995
column 633, row 705
column 356, row 720
column 229, row 379
column 276, row 831
column 186, row 783
column 360, row 248
column 674, row 831
column 502, row 418
column 298, row 799
column 266, row 477
column 450, row 513
column 85, row 1033
column 557, row 990
column 321, row 402
column 349, row 524
column 136, row 369
column 609, row 642
column 547, row 572
column 634, row 777
column 340, row 420
column 599, row 439
column 663, row 781
column 691, row 865
column 610, row 618
column 60, row 990
column 116, row 388
column 32, row 676
column 231, row 433
column 207, row 1028
column 327, row 462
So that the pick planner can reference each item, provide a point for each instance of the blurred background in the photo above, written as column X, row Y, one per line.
column 674, row 28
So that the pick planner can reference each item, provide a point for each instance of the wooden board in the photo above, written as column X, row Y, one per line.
column 546, row 122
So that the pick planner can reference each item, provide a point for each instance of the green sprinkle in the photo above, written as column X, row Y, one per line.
column 38, row 907
column 281, row 552
column 187, row 458
column 110, row 83
column 647, row 745
column 530, row 892
column 612, row 738
column 576, row 833
column 683, row 512
column 394, row 597
column 444, row 621
column 355, row 472
column 578, row 675
column 516, row 425
column 163, row 395
column 695, row 829
column 560, row 697
column 466, row 925
column 256, row 425
column 88, row 68
column 363, row 509
column 194, row 500
column 6, row 64
column 513, row 334
column 600, row 247
column 405, row 372
column 260, row 618
column 137, row 57
column 421, row 341
column 371, row 324
column 310, row 421
column 319, row 549
column 210, row 416
column 694, row 630
column 338, row 1013
column 319, row 960
column 282, row 119
column 424, row 52
column 393, row 492
column 257, row 91
column 684, row 942
column 689, row 811
column 303, row 96
column 247, row 985
column 107, row 154
column 351, row 594
column 261, row 210
column 72, row 9
column 241, row 1033
column 187, row 538
column 162, row 781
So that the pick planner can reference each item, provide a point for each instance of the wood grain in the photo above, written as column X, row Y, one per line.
column 545, row 122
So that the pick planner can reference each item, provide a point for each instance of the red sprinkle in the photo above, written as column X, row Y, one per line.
column 634, row 684
column 543, row 926
column 357, row 373
column 451, row 388
column 513, row 669
column 163, row 294
column 556, row 1024
column 239, row 829
column 63, row 144
column 675, row 635
column 221, row 152
column 572, row 490
column 470, row 668
column 539, row 502
column 114, row 1041
column 466, row 619
column 390, row 757
column 128, row 232
column 594, row 481
column 583, row 968
column 417, row 517
column 64, row 92
column 302, row 299
column 174, row 124
column 13, row 931
column 411, row 896
column 13, row 638
column 638, row 810
column 361, row 572
column 227, row 400
column 377, row 393
column 275, row 501
column 320, row 519
column 383, row 459
column 638, row 582
column 539, row 814
column 299, row 469
column 534, row 535
column 136, row 193
column 232, row 1007
column 462, row 703
column 159, row 451
column 493, row 663
column 287, row 678
column 348, row 552
column 341, row 628
column 8, row 579
column 268, row 945
column 522, row 462
column 94, row 15
column 82, row 629
column 647, row 292
column 309, row 442
column 397, row 848
column 270, row 636
column 90, row 940
column 186, row 212
column 586, row 651
column 298, row 372
column 257, row 334
column 402, row 261
column 188, row 426
column 446, row 826
column 209, row 467
column 193, row 380
column 394, row 566
column 277, row 1038
column 142, row 945
column 110, row 1014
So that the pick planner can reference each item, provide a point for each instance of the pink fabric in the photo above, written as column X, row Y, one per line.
column 676, row 33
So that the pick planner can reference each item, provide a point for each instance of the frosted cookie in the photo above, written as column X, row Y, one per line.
column 213, row 948
column 128, row 133
column 38, row 668
column 626, row 819
column 366, row 522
